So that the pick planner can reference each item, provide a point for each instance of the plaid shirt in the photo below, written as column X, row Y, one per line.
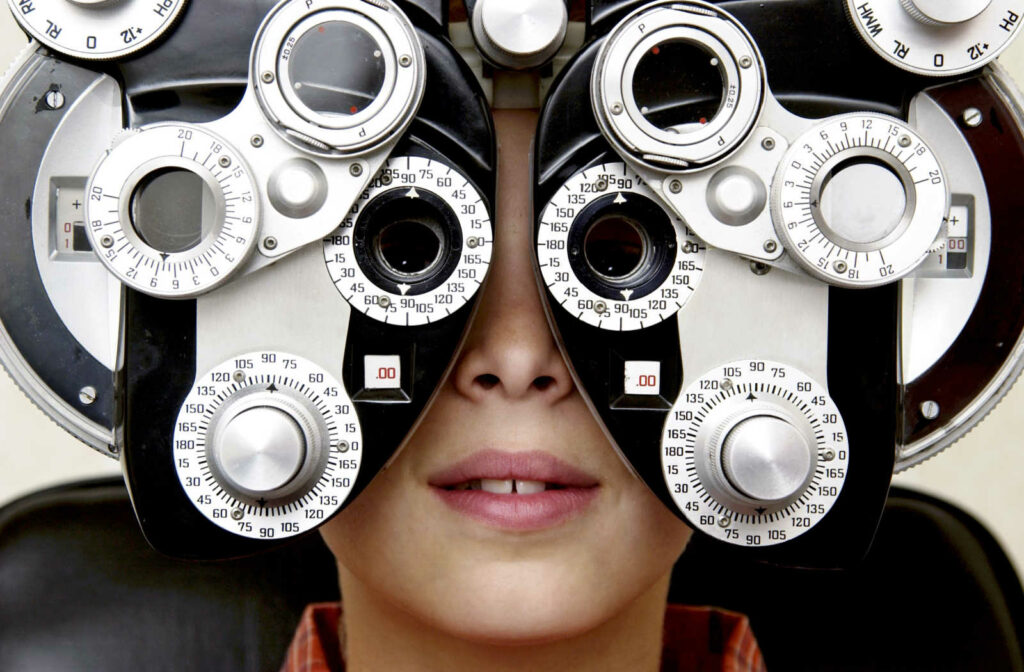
column 697, row 639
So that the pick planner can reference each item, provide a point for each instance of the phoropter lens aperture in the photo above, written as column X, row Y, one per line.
column 678, row 86
column 410, row 247
column 615, row 247
column 171, row 209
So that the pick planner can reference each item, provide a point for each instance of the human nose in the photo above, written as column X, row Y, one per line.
column 510, row 351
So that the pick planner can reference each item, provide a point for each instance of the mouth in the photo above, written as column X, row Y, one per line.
column 519, row 491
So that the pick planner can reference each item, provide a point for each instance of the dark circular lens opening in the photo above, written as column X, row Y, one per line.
column 171, row 210
column 337, row 69
column 614, row 247
column 678, row 86
column 410, row 247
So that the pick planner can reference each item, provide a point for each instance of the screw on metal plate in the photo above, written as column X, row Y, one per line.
column 726, row 384
column 384, row 302
column 239, row 376
column 224, row 161
column 746, row 62
column 600, row 307
column 770, row 246
column 840, row 266
column 405, row 60
column 54, row 99
column 724, row 521
column 267, row 77
column 759, row 268
column 356, row 169
column 385, row 179
column 768, row 144
column 973, row 117
column 616, row 108
column 930, row 409
column 675, row 186
column 237, row 514
column 256, row 141
column 270, row 243
column 87, row 395
column 107, row 241
column 905, row 141
column 601, row 185
column 342, row 446
column 828, row 456
column 472, row 243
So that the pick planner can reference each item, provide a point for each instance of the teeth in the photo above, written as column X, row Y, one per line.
column 530, row 487
column 497, row 487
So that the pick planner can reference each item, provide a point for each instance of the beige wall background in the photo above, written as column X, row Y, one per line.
column 983, row 473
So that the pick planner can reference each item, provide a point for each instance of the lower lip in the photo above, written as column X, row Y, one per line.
column 520, row 512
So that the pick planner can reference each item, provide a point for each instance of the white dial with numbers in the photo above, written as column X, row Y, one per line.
column 416, row 245
column 754, row 453
column 96, row 29
column 267, row 445
column 611, row 255
column 859, row 200
column 937, row 37
column 172, row 210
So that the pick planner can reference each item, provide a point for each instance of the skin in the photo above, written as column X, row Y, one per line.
column 428, row 588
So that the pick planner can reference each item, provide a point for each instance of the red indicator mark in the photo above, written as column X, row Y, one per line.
column 656, row 50
column 353, row 109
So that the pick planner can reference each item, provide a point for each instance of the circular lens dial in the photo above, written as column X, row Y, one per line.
column 611, row 255
column 267, row 445
column 937, row 37
column 415, row 246
column 172, row 211
column 859, row 200
column 754, row 453
column 96, row 30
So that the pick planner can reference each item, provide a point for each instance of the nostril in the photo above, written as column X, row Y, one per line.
column 543, row 382
column 487, row 380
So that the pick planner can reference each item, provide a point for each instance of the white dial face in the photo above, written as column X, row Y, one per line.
column 172, row 211
column 323, row 482
column 703, row 460
column 416, row 245
column 859, row 200
column 96, row 30
column 933, row 38
column 602, row 258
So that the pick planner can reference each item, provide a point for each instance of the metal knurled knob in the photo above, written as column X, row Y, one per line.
column 934, row 12
column 520, row 35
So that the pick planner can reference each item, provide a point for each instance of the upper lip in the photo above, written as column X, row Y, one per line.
column 533, row 465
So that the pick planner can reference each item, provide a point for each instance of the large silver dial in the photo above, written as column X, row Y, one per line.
column 612, row 255
column 754, row 453
column 416, row 245
column 172, row 210
column 267, row 445
column 96, row 29
column 937, row 37
column 859, row 200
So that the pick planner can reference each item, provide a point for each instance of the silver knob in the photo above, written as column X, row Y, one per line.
column 520, row 35
column 934, row 12
column 766, row 458
column 260, row 449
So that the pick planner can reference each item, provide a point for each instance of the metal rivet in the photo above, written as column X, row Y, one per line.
column 724, row 521
column 746, row 62
column 237, row 514
column 759, row 268
column 87, row 395
column 905, row 141
column 356, row 169
column 256, row 141
column 267, row 77
column 107, row 241
column 270, row 243
column 405, row 60
column 239, row 376
column 828, row 456
column 840, row 266
column 224, row 161
column 601, row 185
column 675, row 186
column 113, row 450
column 930, row 409
column 54, row 99
column 726, row 384
column 616, row 108
column 472, row 243
column 600, row 307
column 384, row 302
column 973, row 117
column 342, row 446
column 768, row 144
column 385, row 179
column 770, row 246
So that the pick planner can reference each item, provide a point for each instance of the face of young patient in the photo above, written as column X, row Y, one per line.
column 520, row 567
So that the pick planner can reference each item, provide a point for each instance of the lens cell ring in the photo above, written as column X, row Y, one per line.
column 862, row 241
column 723, row 438
column 97, row 31
column 436, row 247
column 650, row 285
column 719, row 42
column 228, row 206
column 277, row 384
column 347, row 109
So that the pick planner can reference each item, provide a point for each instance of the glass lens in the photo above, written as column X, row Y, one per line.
column 614, row 247
column 337, row 69
column 171, row 209
column 678, row 86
